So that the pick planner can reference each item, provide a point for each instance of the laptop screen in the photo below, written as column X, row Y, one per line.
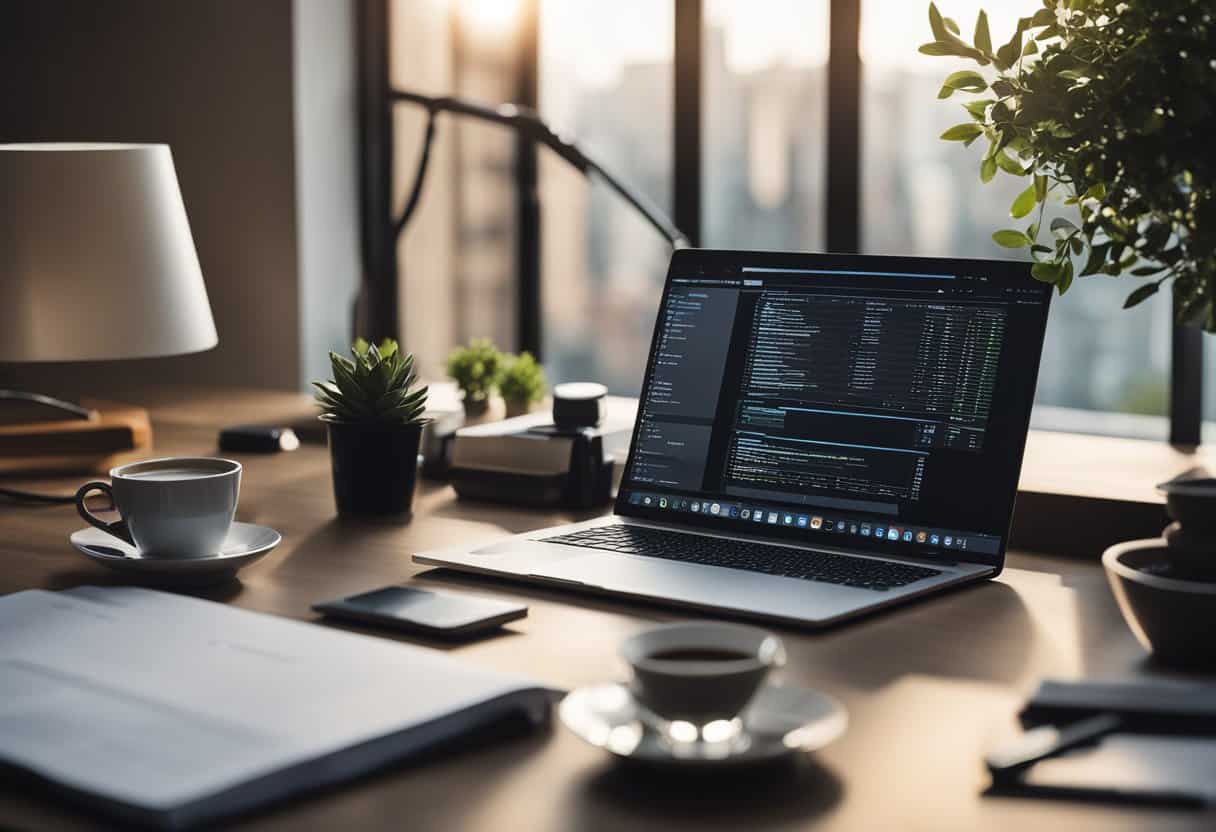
column 876, row 403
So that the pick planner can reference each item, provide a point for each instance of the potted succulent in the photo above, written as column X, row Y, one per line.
column 522, row 383
column 475, row 369
column 1111, row 104
column 375, row 420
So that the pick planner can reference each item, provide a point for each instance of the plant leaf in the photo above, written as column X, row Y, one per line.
column 1065, row 277
column 987, row 169
column 967, row 80
column 1007, row 163
column 1010, row 238
column 963, row 132
column 979, row 109
column 1097, row 256
column 983, row 38
column 1024, row 203
column 1046, row 273
column 937, row 49
column 1141, row 294
column 1060, row 225
column 936, row 23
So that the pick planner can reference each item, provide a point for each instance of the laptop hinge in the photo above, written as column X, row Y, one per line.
column 676, row 527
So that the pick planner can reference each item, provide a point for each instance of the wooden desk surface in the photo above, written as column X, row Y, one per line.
column 929, row 687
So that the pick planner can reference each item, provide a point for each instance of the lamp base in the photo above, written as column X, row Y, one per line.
column 115, row 433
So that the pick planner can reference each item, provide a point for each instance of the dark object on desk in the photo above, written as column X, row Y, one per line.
column 258, row 439
column 579, row 404
column 407, row 608
column 1173, row 618
column 375, row 467
column 540, row 466
column 530, row 461
column 1166, row 587
column 1190, row 500
column 1139, row 742
column 1189, row 707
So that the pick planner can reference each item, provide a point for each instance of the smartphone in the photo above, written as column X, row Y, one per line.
column 424, row 611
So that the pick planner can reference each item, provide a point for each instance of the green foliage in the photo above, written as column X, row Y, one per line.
column 476, row 368
column 523, row 379
column 373, row 388
column 1110, row 104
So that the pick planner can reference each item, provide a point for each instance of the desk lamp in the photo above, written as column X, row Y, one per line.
column 96, row 263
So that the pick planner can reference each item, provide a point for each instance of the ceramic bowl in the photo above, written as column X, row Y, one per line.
column 1174, row 619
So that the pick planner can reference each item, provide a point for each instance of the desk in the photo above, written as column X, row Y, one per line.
column 929, row 686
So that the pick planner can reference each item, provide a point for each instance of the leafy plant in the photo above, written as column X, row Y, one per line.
column 374, row 387
column 523, row 379
column 1111, row 103
column 476, row 368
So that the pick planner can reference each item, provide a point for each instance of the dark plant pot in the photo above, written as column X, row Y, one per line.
column 517, row 407
column 475, row 408
column 375, row 467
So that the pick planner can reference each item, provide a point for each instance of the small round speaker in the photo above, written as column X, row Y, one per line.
column 579, row 404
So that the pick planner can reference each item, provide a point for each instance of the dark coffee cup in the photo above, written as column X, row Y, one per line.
column 700, row 672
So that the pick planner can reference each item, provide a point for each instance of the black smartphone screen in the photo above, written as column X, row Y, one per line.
column 424, row 610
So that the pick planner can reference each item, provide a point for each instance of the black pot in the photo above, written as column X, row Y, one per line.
column 375, row 467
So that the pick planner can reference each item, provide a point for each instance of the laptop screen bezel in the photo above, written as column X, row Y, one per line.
column 709, row 263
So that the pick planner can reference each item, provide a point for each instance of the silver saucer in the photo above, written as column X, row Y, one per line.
column 778, row 722
column 246, row 543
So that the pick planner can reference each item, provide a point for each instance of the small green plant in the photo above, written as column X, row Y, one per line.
column 476, row 369
column 374, row 387
column 523, row 380
column 1112, row 103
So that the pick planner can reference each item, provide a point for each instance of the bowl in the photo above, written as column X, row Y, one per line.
column 1173, row 618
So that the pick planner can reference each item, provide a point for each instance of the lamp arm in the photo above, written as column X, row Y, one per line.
column 530, row 125
column 59, row 408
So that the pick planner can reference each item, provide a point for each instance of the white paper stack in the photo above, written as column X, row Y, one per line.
column 169, row 711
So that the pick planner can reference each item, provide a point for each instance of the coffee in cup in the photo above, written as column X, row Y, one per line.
column 177, row 507
column 699, row 673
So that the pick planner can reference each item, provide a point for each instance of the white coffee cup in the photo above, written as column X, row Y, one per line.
column 176, row 507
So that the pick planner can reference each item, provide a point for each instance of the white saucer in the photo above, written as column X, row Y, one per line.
column 246, row 543
column 780, row 721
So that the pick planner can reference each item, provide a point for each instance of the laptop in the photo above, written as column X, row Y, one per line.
column 819, row 436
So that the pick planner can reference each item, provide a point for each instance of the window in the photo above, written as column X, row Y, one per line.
column 762, row 131
column 456, row 278
column 605, row 79
column 765, row 108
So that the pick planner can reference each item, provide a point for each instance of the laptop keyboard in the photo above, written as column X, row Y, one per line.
column 783, row 561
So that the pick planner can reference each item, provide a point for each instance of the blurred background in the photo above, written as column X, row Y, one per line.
column 769, row 124
column 605, row 78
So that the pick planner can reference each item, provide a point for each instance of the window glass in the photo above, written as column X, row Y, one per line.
column 606, row 82
column 764, row 131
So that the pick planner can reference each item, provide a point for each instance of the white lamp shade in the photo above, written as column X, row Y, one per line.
column 96, row 257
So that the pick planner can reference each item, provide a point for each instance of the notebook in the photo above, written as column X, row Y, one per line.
column 172, row 711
